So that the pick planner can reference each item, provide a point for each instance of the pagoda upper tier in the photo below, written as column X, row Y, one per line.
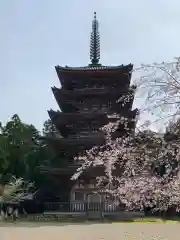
column 87, row 97
column 94, row 76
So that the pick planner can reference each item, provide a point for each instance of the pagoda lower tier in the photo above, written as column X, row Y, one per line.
column 65, row 171
column 90, row 173
column 78, row 143
column 75, row 144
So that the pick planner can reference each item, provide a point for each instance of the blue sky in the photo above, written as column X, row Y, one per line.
column 36, row 35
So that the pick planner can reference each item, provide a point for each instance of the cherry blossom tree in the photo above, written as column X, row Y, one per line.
column 142, row 170
column 158, row 87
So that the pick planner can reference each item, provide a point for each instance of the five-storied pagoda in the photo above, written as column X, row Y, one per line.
column 86, row 97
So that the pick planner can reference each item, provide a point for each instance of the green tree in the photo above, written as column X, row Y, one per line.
column 21, row 150
column 49, row 129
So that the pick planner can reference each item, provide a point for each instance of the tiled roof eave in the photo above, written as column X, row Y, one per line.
column 94, row 68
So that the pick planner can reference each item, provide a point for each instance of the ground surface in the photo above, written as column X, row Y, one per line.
column 114, row 231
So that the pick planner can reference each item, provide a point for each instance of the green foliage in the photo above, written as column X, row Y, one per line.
column 49, row 129
column 21, row 151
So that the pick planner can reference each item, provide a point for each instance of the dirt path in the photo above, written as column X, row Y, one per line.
column 115, row 231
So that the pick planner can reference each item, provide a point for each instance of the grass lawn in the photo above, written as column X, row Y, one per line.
column 77, row 220
column 155, row 220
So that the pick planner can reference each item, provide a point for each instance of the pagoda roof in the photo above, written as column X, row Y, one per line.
column 61, row 119
column 60, row 92
column 91, row 172
column 68, row 99
column 74, row 144
column 108, row 73
column 56, row 171
column 95, row 68
column 73, row 117
column 77, row 140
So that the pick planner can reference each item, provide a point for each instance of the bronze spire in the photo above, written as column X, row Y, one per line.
column 95, row 42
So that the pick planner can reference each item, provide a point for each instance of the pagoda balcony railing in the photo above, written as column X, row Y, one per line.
column 89, row 88
column 115, row 88
column 61, row 93
column 88, row 135
column 95, row 91
column 82, row 206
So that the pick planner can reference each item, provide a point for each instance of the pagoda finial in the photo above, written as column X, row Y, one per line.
column 95, row 42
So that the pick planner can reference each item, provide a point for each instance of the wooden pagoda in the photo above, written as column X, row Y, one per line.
column 87, row 95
